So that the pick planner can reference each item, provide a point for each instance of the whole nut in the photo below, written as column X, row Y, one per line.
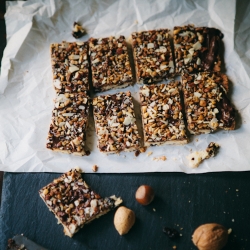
column 210, row 236
column 124, row 220
column 145, row 194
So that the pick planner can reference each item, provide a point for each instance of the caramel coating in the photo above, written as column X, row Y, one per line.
column 210, row 236
column 145, row 195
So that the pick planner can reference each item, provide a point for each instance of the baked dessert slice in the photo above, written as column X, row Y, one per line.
column 207, row 106
column 162, row 115
column 197, row 49
column 152, row 55
column 115, row 123
column 74, row 203
column 69, row 123
column 110, row 65
column 70, row 67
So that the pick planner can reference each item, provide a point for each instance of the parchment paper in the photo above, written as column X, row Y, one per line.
column 26, row 91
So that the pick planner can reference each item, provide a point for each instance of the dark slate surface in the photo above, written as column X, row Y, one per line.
column 182, row 201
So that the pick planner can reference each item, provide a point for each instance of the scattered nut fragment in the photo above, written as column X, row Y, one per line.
column 161, row 158
column 210, row 236
column 145, row 194
column 197, row 157
column 149, row 153
column 78, row 31
column 124, row 220
column 171, row 232
column 95, row 168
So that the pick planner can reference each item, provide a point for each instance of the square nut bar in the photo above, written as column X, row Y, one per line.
column 69, row 123
column 152, row 55
column 115, row 124
column 74, row 203
column 162, row 116
column 70, row 66
column 206, row 103
column 197, row 49
column 110, row 63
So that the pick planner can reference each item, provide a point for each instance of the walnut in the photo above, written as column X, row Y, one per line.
column 210, row 236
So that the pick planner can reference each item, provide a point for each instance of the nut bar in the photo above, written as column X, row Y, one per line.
column 74, row 203
column 162, row 116
column 70, row 66
column 115, row 124
column 206, row 103
column 152, row 55
column 69, row 122
column 109, row 63
column 197, row 49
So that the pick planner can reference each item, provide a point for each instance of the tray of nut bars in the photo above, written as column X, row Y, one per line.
column 125, row 93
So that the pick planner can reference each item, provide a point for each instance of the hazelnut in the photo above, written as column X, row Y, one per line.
column 124, row 220
column 145, row 194
column 210, row 236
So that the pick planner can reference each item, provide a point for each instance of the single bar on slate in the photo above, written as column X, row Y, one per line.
column 70, row 66
column 110, row 63
column 74, row 203
column 162, row 115
column 115, row 124
column 152, row 55
column 206, row 103
column 197, row 49
column 69, row 123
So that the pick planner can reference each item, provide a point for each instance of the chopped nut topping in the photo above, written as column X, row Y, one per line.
column 162, row 116
column 206, row 104
column 95, row 168
column 69, row 123
column 70, row 66
column 78, row 30
column 153, row 56
column 115, row 123
column 109, row 63
column 74, row 203
column 197, row 49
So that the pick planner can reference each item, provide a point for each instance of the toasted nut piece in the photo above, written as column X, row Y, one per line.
column 210, row 236
column 124, row 220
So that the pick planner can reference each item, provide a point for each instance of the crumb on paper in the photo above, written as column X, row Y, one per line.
column 196, row 139
column 174, row 159
column 229, row 230
column 195, row 158
column 78, row 30
column 140, row 150
column 143, row 149
column 149, row 153
column 160, row 158
column 136, row 22
column 95, row 168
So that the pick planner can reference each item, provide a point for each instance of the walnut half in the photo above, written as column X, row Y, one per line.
column 211, row 236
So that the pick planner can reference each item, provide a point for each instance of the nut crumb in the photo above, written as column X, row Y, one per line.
column 229, row 230
column 78, row 31
column 95, row 168
column 174, row 247
column 149, row 153
column 143, row 149
column 154, row 209
column 161, row 158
